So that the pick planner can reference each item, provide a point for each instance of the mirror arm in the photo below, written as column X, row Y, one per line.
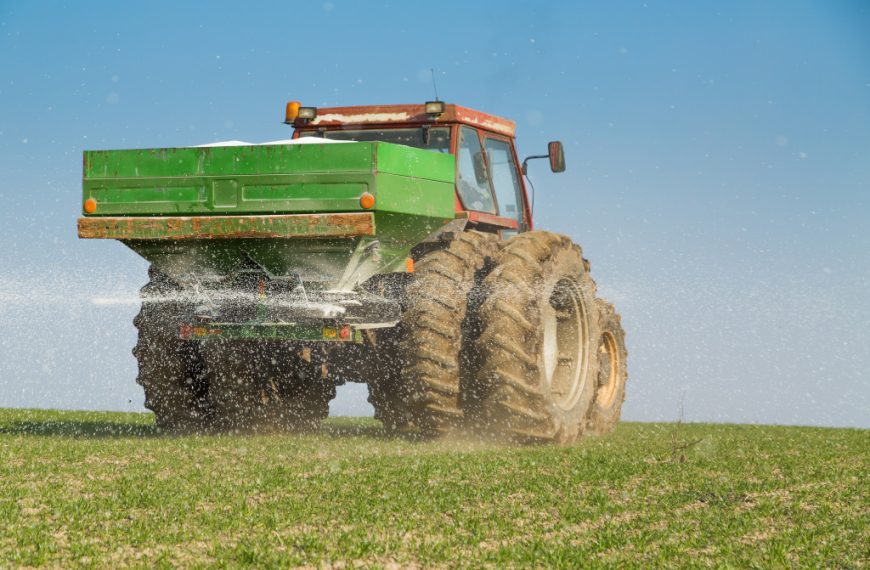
column 528, row 158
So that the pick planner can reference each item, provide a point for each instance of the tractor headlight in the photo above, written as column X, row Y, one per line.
column 434, row 108
column 307, row 113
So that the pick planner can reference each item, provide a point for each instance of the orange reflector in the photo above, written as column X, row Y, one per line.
column 409, row 265
column 90, row 206
column 367, row 201
column 292, row 111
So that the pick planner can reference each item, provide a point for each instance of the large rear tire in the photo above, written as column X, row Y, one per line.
column 612, row 372
column 170, row 369
column 434, row 329
column 537, row 345
column 385, row 381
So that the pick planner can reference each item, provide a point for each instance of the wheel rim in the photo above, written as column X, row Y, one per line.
column 565, row 343
column 609, row 371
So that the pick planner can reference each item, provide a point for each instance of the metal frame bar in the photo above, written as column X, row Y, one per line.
column 209, row 227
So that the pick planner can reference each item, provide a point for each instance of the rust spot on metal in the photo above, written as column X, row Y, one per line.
column 405, row 115
column 224, row 227
column 491, row 220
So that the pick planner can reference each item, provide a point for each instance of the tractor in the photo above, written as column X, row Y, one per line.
column 392, row 245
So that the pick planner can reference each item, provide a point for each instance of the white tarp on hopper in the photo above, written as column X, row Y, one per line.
column 301, row 140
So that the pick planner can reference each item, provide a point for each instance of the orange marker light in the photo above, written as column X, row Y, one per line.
column 344, row 333
column 367, row 201
column 292, row 111
column 409, row 265
column 90, row 206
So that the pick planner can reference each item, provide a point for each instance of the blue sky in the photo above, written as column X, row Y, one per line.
column 718, row 171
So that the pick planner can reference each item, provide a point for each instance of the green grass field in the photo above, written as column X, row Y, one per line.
column 106, row 489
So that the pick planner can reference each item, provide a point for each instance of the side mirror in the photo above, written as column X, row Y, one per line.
column 556, row 154
column 480, row 169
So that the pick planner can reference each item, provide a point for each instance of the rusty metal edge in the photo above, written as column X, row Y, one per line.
column 367, row 115
column 203, row 227
column 491, row 220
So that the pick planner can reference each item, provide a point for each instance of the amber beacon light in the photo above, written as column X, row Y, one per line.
column 292, row 111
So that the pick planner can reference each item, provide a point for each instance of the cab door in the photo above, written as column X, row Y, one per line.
column 472, row 177
column 504, row 175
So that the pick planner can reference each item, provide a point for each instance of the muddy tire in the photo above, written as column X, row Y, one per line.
column 387, row 403
column 538, row 340
column 378, row 363
column 265, row 386
column 434, row 329
column 385, row 381
column 374, row 362
column 612, row 372
column 170, row 369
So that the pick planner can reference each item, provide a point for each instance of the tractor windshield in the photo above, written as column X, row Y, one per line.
column 437, row 139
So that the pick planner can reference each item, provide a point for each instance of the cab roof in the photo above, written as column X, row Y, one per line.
column 411, row 115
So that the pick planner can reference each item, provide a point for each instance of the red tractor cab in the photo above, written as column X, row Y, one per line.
column 490, row 190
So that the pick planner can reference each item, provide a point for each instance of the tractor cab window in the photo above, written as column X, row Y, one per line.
column 429, row 138
column 472, row 182
column 505, row 178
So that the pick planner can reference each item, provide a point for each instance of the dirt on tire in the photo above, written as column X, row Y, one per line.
column 385, row 380
column 537, row 345
column 435, row 328
column 170, row 369
column 612, row 371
